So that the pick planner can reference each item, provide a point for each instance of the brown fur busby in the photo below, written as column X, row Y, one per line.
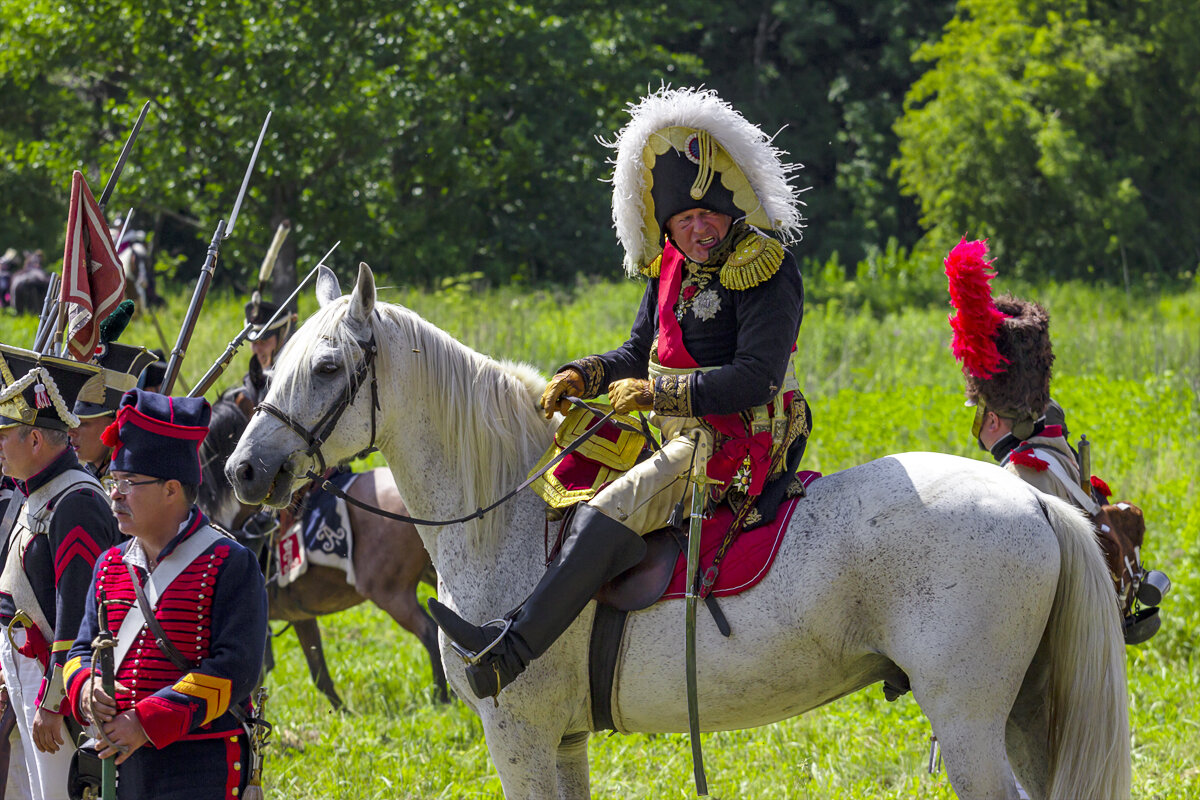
column 1004, row 344
column 1022, row 389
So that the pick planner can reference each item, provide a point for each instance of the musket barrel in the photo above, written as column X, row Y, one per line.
column 193, row 312
column 221, row 364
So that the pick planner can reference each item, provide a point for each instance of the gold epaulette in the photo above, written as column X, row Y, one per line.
column 652, row 269
column 755, row 259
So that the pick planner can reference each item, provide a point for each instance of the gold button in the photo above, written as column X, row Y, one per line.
column 237, row 765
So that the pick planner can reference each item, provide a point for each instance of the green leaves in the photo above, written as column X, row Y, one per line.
column 1045, row 126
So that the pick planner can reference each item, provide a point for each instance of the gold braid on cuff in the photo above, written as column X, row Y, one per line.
column 592, row 369
column 673, row 395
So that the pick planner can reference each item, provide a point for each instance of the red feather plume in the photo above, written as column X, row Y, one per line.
column 978, row 318
column 1100, row 486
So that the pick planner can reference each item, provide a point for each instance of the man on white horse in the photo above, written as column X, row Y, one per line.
column 1007, row 356
column 708, row 356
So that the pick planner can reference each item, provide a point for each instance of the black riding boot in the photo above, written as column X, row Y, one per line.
column 595, row 549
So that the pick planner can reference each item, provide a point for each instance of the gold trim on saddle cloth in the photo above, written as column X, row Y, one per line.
column 614, row 458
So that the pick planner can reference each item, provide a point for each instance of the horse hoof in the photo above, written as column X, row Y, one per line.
column 1153, row 588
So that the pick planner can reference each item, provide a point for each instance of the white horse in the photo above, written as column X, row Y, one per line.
column 991, row 597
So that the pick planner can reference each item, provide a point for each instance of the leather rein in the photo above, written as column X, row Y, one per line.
column 317, row 435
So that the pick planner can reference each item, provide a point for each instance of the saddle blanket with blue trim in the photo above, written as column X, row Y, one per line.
column 322, row 536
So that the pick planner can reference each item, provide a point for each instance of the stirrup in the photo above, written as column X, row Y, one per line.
column 471, row 659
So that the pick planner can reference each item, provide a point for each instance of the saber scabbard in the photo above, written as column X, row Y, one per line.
column 699, row 493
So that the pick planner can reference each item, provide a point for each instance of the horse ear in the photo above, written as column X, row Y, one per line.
column 328, row 288
column 362, row 301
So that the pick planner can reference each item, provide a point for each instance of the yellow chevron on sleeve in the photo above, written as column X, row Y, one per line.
column 212, row 690
column 62, row 644
column 71, row 667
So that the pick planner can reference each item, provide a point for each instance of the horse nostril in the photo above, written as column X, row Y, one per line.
column 245, row 471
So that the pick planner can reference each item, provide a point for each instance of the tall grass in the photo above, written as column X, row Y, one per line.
column 880, row 381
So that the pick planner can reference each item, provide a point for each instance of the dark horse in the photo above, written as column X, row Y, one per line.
column 389, row 558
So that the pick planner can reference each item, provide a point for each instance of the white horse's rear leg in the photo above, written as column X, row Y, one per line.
column 573, row 778
column 973, row 752
column 1028, row 731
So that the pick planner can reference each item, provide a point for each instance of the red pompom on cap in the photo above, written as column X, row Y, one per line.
column 111, row 436
column 1100, row 486
column 977, row 319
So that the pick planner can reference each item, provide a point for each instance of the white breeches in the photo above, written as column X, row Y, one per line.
column 44, row 773
column 643, row 498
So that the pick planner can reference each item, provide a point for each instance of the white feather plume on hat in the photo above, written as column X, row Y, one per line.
column 749, row 148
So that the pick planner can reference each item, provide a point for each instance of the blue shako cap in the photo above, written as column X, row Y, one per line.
column 159, row 436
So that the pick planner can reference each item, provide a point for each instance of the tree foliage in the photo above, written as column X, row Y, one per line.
column 430, row 137
column 830, row 76
column 1065, row 131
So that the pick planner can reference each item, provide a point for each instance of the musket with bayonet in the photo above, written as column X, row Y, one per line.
column 206, row 272
column 61, row 323
column 103, row 649
column 247, row 332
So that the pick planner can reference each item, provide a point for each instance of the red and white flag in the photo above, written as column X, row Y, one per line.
column 93, row 283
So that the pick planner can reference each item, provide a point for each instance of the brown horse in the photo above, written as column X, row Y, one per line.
column 389, row 558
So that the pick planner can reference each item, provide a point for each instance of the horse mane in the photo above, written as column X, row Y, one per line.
column 488, row 417
column 224, row 429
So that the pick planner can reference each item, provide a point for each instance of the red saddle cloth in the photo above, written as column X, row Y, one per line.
column 749, row 557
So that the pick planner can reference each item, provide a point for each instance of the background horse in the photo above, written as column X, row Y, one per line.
column 389, row 558
column 992, row 598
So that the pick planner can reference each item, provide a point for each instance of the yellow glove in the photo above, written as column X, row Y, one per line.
column 631, row 394
column 567, row 382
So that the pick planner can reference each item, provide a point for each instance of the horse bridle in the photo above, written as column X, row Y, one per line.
column 324, row 426
column 315, row 437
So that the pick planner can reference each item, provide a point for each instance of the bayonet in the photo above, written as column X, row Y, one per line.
column 116, row 173
column 246, row 178
column 206, row 273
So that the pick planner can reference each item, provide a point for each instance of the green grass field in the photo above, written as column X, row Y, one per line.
column 1128, row 373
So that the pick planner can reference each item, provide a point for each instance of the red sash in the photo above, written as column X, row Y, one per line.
column 672, row 353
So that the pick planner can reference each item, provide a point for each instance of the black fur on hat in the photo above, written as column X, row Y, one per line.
column 1022, row 390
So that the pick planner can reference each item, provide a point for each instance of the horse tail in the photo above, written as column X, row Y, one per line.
column 1088, row 698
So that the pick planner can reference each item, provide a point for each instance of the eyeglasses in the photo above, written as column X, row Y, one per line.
column 124, row 485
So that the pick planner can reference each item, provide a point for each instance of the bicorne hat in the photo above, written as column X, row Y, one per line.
column 120, row 366
column 158, row 436
column 259, row 313
column 40, row 390
column 1003, row 344
column 688, row 148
